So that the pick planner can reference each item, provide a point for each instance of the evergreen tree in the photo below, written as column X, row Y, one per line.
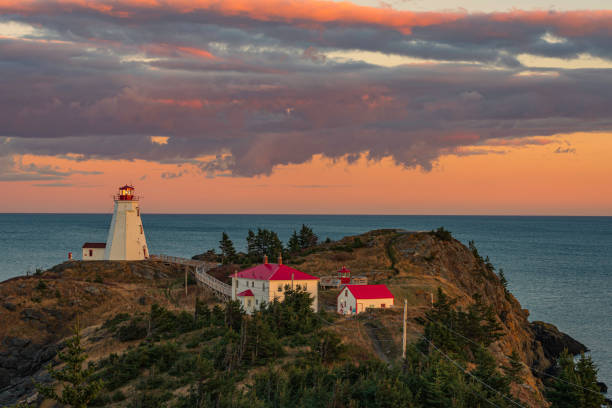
column 514, row 369
column 233, row 315
column 563, row 394
column 503, row 280
column 587, row 373
column 228, row 252
column 294, row 243
column 78, row 387
column 265, row 242
column 307, row 237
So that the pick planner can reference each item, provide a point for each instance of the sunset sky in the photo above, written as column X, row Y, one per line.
column 312, row 106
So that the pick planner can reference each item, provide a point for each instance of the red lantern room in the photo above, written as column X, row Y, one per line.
column 344, row 275
column 126, row 193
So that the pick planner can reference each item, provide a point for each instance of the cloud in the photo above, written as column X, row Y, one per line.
column 567, row 150
column 238, row 88
column 12, row 168
column 54, row 185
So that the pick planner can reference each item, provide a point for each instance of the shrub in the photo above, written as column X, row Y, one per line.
column 134, row 330
column 442, row 234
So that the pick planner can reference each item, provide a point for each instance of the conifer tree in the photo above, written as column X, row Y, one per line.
column 78, row 387
column 294, row 243
column 564, row 394
column 228, row 252
column 307, row 237
column 587, row 373
column 514, row 369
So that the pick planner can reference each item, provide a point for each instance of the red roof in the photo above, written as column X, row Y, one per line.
column 94, row 245
column 246, row 293
column 126, row 187
column 370, row 291
column 271, row 272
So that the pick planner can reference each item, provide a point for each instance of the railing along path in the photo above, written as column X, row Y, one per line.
column 200, row 271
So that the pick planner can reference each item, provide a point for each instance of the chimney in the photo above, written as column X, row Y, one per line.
column 280, row 259
column 265, row 259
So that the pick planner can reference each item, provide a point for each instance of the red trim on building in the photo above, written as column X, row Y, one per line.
column 369, row 291
column 272, row 272
column 246, row 293
column 94, row 245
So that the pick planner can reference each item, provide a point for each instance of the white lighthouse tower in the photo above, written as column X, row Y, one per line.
column 126, row 240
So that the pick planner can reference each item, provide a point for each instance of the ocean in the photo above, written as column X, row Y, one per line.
column 560, row 268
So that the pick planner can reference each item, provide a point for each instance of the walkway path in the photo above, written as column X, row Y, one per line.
column 200, row 270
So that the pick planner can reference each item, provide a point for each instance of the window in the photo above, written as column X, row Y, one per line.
column 138, row 211
column 263, row 285
column 305, row 286
column 298, row 286
column 141, row 229
column 253, row 284
column 346, row 293
column 256, row 301
column 280, row 288
column 249, row 303
column 382, row 305
column 91, row 252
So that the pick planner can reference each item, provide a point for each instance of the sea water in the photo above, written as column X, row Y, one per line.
column 560, row 268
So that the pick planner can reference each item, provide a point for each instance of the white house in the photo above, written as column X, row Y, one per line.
column 126, row 240
column 357, row 298
column 93, row 251
column 266, row 282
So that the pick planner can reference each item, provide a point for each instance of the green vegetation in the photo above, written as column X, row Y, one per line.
column 78, row 386
column 304, row 240
column 461, row 333
column 442, row 234
column 299, row 362
column 228, row 252
column 563, row 394
column 41, row 285
column 264, row 242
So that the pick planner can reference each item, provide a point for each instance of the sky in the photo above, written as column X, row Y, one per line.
column 307, row 106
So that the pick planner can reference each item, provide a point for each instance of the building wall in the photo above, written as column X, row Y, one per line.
column 267, row 291
column 126, row 240
column 347, row 304
column 97, row 254
column 258, row 287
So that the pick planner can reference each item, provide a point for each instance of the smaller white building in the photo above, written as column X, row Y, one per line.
column 354, row 299
column 265, row 283
column 93, row 251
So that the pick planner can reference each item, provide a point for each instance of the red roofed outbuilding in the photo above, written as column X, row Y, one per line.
column 93, row 251
column 267, row 282
column 357, row 298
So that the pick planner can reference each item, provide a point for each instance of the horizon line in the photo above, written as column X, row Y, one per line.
column 323, row 214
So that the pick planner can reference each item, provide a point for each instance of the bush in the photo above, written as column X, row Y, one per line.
column 111, row 324
column 442, row 234
column 135, row 330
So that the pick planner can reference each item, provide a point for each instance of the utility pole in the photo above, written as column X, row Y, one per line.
column 405, row 322
column 186, row 272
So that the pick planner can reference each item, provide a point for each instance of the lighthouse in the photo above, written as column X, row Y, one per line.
column 126, row 239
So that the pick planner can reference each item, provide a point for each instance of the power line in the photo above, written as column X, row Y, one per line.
column 472, row 375
column 454, row 363
column 511, row 359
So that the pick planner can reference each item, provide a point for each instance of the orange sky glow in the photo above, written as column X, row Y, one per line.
column 520, row 180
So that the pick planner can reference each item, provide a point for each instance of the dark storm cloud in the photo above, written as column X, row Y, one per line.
column 256, row 89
